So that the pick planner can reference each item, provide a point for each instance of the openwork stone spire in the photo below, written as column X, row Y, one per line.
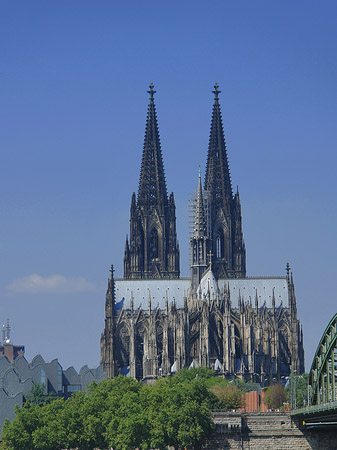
column 200, row 225
column 225, row 228
column 199, row 242
column 152, row 250
column 218, row 180
column 152, row 185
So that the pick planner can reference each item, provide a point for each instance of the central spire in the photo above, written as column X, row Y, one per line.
column 200, row 226
column 152, row 184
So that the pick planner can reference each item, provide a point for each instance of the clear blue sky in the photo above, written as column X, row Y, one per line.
column 74, row 76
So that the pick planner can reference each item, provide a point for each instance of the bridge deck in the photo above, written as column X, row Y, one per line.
column 314, row 410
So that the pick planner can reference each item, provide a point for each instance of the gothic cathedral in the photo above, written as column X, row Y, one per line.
column 156, row 322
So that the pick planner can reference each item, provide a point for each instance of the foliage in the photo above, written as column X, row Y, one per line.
column 178, row 413
column 275, row 396
column 192, row 373
column 245, row 386
column 229, row 395
column 37, row 395
column 119, row 413
column 299, row 388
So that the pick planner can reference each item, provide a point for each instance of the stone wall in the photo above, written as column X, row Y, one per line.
column 265, row 431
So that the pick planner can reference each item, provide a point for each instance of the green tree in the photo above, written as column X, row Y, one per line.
column 18, row 435
column 126, row 419
column 275, row 396
column 178, row 412
column 50, row 433
column 299, row 385
column 193, row 373
column 37, row 395
column 229, row 395
column 119, row 413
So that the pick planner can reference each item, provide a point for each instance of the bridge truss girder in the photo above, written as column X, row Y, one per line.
column 323, row 373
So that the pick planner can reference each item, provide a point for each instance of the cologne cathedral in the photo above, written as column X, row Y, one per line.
column 156, row 322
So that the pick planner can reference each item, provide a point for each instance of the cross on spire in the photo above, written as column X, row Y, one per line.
column 216, row 91
column 210, row 254
column 151, row 90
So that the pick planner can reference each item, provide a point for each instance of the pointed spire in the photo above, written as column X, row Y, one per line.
column 288, row 270
column 133, row 203
column 217, row 180
column 111, row 282
column 237, row 197
column 200, row 226
column 110, row 295
column 166, row 303
column 152, row 185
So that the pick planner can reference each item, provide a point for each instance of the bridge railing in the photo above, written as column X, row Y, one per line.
column 314, row 409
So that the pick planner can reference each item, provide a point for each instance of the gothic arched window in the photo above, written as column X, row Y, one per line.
column 220, row 244
column 154, row 252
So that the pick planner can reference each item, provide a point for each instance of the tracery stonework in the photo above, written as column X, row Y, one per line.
column 156, row 322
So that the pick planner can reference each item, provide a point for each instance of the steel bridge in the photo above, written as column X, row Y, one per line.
column 321, row 411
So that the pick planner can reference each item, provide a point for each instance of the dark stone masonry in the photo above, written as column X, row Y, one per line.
column 266, row 431
column 157, row 323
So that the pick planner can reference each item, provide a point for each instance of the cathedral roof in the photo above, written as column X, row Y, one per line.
column 158, row 289
column 207, row 284
column 263, row 288
column 245, row 288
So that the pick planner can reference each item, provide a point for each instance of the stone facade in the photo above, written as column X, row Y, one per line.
column 157, row 323
column 265, row 431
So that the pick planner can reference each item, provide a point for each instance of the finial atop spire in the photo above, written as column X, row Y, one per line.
column 112, row 271
column 216, row 91
column 288, row 270
column 151, row 91
column 199, row 171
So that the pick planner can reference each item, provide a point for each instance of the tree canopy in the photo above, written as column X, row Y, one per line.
column 120, row 413
column 124, row 414
column 275, row 396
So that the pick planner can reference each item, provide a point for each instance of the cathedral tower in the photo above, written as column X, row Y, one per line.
column 153, row 250
column 225, row 228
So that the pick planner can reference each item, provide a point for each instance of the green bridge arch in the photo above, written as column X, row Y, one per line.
column 322, row 386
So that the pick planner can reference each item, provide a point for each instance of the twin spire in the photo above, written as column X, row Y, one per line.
column 152, row 184
column 218, row 181
column 152, row 250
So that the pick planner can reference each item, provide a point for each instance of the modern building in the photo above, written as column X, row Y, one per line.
column 156, row 322
column 17, row 377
